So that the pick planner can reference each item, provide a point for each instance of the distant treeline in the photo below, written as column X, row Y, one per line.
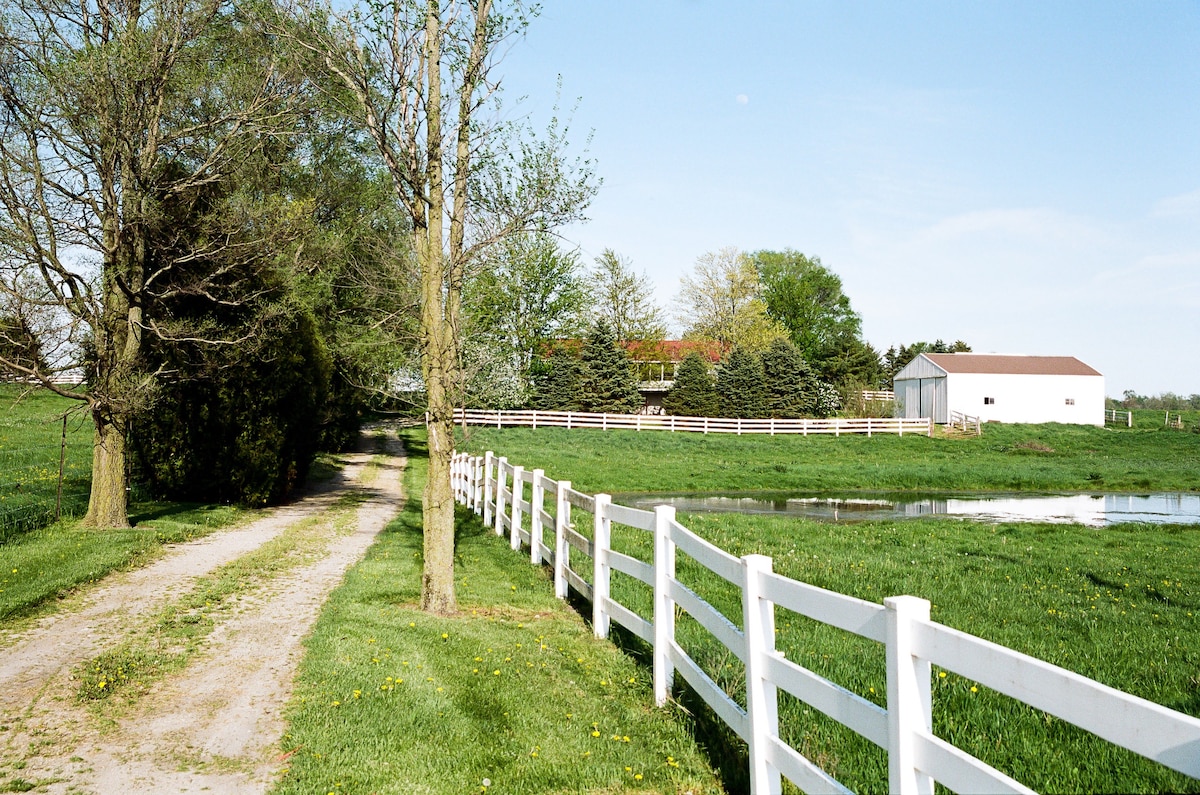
column 1167, row 401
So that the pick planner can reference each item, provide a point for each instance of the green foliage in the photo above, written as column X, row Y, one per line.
column 527, row 293
column 807, row 298
column 722, row 301
column 624, row 299
column 556, row 382
column 236, row 427
column 694, row 393
column 790, row 385
column 606, row 377
column 741, row 385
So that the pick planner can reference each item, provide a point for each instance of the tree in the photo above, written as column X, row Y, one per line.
column 897, row 358
column 694, row 393
column 108, row 111
column 624, row 299
column 742, row 386
column 722, row 301
column 807, row 299
column 419, row 78
column 606, row 379
column 790, row 385
column 556, row 382
column 526, row 293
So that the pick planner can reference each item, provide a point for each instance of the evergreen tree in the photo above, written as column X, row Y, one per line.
column 694, row 393
column 556, row 382
column 790, row 382
column 742, row 386
column 606, row 380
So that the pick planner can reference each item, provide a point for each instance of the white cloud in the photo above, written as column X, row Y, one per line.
column 1183, row 205
column 743, row 99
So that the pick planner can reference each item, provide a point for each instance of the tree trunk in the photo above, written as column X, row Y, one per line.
column 437, row 578
column 107, row 506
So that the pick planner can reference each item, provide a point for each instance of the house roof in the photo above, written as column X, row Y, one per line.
column 1002, row 364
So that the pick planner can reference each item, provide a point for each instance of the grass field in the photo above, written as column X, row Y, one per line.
column 1119, row 604
column 1004, row 458
column 513, row 695
column 30, row 442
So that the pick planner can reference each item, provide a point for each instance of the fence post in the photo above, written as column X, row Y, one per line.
column 537, row 499
column 762, row 700
column 664, row 605
column 1129, row 419
column 909, row 702
column 601, row 574
column 868, row 427
column 535, row 419
column 562, row 549
column 477, row 495
column 487, row 488
column 500, row 478
column 518, row 491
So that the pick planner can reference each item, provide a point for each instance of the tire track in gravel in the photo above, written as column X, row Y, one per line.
column 215, row 725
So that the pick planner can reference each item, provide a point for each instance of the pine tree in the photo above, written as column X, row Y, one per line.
column 694, row 393
column 790, row 382
column 742, row 387
column 556, row 382
column 606, row 380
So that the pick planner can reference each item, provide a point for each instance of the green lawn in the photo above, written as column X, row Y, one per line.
column 1119, row 604
column 30, row 442
column 1004, row 458
column 513, row 695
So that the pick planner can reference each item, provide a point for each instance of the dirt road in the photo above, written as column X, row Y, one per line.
column 214, row 724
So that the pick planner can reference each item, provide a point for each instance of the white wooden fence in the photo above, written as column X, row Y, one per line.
column 1117, row 416
column 496, row 490
column 966, row 422
column 648, row 422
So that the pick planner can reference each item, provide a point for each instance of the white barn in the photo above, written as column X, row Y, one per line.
column 1001, row 388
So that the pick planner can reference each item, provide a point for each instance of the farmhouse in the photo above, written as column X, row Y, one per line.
column 1000, row 388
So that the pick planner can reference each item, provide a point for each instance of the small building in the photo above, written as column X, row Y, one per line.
column 1000, row 388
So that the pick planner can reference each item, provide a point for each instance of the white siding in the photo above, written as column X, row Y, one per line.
column 1029, row 398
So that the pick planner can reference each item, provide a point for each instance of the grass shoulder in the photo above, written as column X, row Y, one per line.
column 513, row 694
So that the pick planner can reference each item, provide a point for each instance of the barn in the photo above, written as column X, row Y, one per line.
column 1000, row 388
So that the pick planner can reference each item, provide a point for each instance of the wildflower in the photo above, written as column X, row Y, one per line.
column 974, row 689
column 941, row 674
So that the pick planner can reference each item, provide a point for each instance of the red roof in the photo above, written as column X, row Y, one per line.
column 672, row 350
column 1001, row 364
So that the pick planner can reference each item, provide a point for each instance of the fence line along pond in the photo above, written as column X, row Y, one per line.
column 1093, row 510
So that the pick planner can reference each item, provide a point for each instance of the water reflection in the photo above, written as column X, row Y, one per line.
column 1095, row 510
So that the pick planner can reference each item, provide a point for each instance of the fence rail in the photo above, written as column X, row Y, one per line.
column 1118, row 417
column 660, row 422
column 495, row 489
column 966, row 422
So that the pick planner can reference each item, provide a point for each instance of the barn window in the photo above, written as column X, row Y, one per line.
column 987, row 401
column 1070, row 401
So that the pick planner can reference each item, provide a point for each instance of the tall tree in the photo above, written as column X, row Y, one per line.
column 742, row 386
column 420, row 77
column 108, row 111
column 791, row 386
column 722, row 301
column 808, row 300
column 606, row 378
column 624, row 299
column 526, row 293
column 694, row 393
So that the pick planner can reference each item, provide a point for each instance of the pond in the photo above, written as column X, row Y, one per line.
column 1095, row 510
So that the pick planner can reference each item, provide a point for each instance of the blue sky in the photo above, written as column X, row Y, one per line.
column 1024, row 176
